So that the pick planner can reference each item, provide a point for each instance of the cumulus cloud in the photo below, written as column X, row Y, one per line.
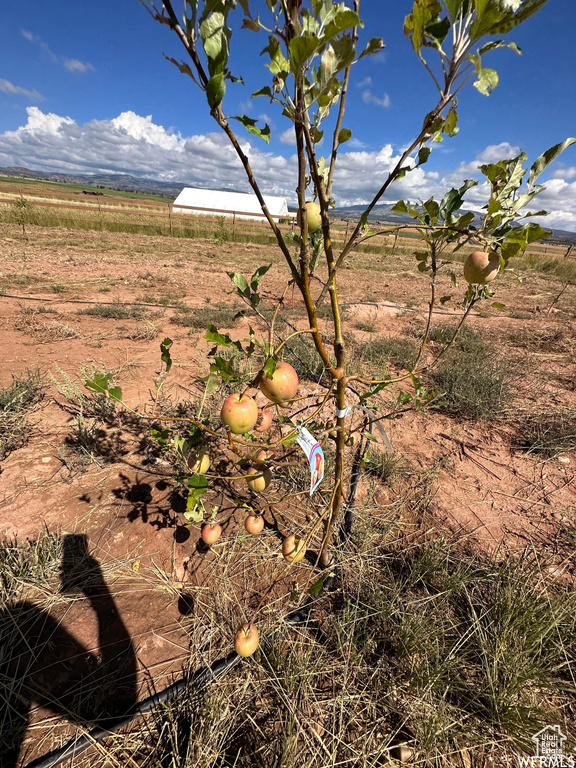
column 565, row 173
column 135, row 144
column 7, row 87
column 72, row 65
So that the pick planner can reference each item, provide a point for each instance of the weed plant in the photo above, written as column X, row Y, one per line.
column 475, row 380
column 549, row 432
column 16, row 402
column 113, row 311
column 221, row 315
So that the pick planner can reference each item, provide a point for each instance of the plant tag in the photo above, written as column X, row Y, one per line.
column 315, row 456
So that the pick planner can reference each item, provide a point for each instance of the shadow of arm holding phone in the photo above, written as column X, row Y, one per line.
column 43, row 664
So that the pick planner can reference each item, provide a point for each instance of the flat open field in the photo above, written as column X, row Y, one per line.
column 492, row 472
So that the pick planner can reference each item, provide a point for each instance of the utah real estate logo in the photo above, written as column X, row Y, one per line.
column 549, row 748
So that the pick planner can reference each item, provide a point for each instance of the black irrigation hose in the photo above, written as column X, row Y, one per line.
column 202, row 676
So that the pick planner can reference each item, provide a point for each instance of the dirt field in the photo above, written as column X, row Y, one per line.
column 465, row 478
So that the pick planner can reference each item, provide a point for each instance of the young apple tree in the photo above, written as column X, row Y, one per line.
column 309, row 48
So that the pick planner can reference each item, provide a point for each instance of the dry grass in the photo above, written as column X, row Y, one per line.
column 45, row 332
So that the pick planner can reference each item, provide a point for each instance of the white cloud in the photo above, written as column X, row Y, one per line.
column 369, row 98
column 72, row 65
column 7, row 87
column 131, row 143
column 565, row 173
column 288, row 137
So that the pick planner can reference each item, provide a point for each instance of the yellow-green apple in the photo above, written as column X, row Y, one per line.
column 293, row 549
column 246, row 640
column 313, row 216
column 240, row 413
column 200, row 464
column 262, row 479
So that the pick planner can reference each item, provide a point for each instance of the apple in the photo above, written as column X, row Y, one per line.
column 313, row 216
column 199, row 464
column 211, row 532
column 259, row 484
column 254, row 524
column 293, row 549
column 283, row 384
column 240, row 413
column 264, row 420
column 481, row 267
column 246, row 640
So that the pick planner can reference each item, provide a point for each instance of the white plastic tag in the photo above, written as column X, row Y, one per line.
column 315, row 456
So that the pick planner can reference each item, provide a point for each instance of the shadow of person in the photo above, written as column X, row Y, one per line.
column 42, row 664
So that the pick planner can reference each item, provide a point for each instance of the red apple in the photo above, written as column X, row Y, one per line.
column 211, row 532
column 264, row 420
column 246, row 640
column 254, row 524
column 283, row 384
column 481, row 267
column 293, row 549
column 240, row 413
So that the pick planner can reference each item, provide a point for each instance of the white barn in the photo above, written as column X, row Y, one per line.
column 240, row 204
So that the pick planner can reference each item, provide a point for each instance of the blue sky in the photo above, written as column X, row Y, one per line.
column 84, row 88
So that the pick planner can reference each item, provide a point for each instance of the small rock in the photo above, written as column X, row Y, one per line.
column 403, row 753
column 564, row 459
column 46, row 459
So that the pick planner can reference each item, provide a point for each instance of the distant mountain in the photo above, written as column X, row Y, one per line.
column 124, row 182
column 384, row 214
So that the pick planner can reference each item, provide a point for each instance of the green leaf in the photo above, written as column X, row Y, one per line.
column 213, row 35
column 444, row 299
column 546, row 158
column 400, row 207
column 258, row 275
column 240, row 282
column 498, row 305
column 344, row 135
column 266, row 91
column 222, row 340
column 99, row 382
column 451, row 122
column 424, row 12
column 375, row 45
column 115, row 393
column 165, row 356
column 423, row 155
column 487, row 80
column 212, row 384
column 301, row 49
column 316, row 589
column 215, row 90
column 270, row 367
column 251, row 127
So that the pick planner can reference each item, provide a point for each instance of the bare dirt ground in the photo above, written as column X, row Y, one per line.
column 480, row 486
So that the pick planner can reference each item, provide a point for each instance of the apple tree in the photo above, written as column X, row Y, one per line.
column 308, row 51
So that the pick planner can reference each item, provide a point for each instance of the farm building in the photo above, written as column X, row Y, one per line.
column 241, row 204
